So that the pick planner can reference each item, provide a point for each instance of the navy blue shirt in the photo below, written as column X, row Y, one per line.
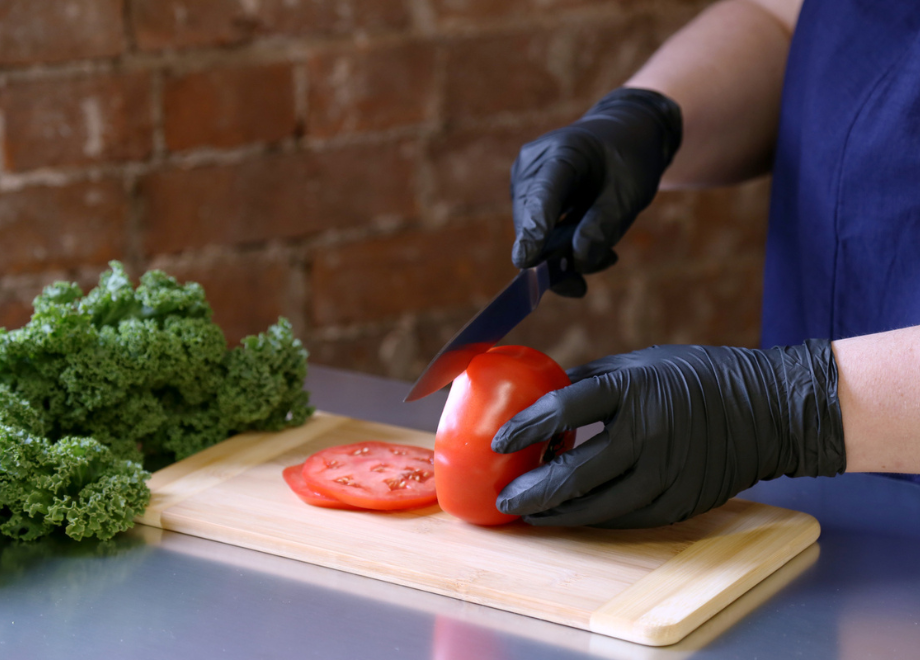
column 843, row 247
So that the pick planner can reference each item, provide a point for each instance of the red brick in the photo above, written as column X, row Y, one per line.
column 459, row 265
column 451, row 12
column 602, row 55
column 718, row 304
column 360, row 353
column 397, row 349
column 33, row 31
column 229, row 106
column 502, row 73
column 44, row 228
column 537, row 69
column 185, row 23
column 248, row 292
column 729, row 222
column 371, row 88
column 182, row 23
column 682, row 228
column 281, row 196
column 472, row 168
column 483, row 12
column 318, row 17
column 76, row 121
column 14, row 313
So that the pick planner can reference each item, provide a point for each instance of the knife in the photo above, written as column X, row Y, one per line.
column 499, row 317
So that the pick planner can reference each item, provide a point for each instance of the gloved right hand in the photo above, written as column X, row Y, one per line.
column 598, row 172
column 685, row 429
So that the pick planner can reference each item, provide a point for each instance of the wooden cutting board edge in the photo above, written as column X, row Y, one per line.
column 649, row 612
column 653, row 610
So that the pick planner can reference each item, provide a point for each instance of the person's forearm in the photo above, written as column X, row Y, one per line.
column 725, row 70
column 879, row 392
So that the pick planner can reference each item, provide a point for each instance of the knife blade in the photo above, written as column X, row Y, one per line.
column 511, row 306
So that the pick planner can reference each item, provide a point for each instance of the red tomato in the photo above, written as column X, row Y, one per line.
column 496, row 386
column 294, row 477
column 373, row 475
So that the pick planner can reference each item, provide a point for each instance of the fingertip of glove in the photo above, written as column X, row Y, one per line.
column 522, row 254
column 502, row 443
column 504, row 506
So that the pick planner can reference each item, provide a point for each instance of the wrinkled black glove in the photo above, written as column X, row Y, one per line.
column 686, row 428
column 598, row 172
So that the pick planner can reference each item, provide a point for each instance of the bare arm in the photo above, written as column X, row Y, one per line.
column 725, row 69
column 879, row 392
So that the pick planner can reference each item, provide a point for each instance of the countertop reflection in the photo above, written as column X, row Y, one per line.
column 154, row 594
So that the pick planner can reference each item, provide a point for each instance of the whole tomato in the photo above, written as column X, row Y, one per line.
column 496, row 385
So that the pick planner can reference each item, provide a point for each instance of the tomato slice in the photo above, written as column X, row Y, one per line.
column 374, row 475
column 294, row 477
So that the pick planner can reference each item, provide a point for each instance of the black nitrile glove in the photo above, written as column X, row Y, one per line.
column 599, row 172
column 686, row 428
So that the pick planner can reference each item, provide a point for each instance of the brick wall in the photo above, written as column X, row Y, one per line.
column 343, row 163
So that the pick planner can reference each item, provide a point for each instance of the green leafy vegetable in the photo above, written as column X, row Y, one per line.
column 97, row 389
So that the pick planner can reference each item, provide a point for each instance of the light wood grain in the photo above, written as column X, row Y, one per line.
column 652, row 586
column 671, row 601
column 213, row 465
column 439, row 607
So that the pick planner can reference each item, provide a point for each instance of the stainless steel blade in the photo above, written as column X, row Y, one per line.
column 484, row 330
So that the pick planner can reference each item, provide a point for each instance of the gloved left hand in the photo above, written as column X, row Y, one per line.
column 686, row 428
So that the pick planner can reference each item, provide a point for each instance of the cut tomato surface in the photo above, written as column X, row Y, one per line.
column 374, row 475
column 294, row 477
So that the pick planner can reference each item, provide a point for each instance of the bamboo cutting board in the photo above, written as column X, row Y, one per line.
column 648, row 586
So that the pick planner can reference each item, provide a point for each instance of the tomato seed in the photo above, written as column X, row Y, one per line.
column 348, row 480
column 398, row 452
column 396, row 483
column 382, row 467
column 415, row 474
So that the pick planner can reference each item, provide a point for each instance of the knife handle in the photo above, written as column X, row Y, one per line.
column 558, row 251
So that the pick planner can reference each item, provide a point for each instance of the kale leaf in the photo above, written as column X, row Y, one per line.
column 97, row 389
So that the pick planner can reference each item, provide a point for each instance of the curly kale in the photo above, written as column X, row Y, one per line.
column 96, row 389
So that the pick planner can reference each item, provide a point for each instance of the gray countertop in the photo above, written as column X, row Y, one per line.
column 153, row 594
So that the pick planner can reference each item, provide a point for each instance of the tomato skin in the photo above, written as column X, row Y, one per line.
column 497, row 385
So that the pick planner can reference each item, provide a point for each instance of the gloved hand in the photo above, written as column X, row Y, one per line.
column 598, row 172
column 686, row 428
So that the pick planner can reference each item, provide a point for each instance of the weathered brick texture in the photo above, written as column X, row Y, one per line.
column 33, row 31
column 412, row 272
column 76, row 121
column 53, row 228
column 344, row 163
column 229, row 106
column 470, row 169
column 278, row 196
column 371, row 88
column 170, row 24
